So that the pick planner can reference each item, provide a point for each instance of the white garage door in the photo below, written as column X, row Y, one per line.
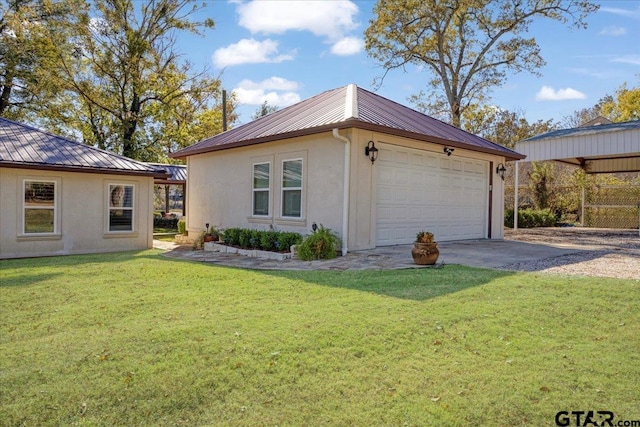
column 420, row 190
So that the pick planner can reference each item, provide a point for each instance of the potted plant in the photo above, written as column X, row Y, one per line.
column 212, row 234
column 425, row 250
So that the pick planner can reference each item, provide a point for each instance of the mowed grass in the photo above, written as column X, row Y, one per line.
column 136, row 339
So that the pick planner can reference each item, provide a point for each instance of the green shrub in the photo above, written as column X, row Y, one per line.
column 268, row 240
column 286, row 240
column 321, row 244
column 182, row 226
column 232, row 236
column 529, row 218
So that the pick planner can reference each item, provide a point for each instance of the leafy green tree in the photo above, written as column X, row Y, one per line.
column 131, row 93
column 626, row 105
column 580, row 117
column 468, row 46
column 502, row 126
column 33, row 33
column 263, row 110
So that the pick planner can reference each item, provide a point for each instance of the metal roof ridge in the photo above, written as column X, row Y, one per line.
column 351, row 102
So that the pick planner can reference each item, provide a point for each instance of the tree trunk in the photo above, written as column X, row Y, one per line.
column 4, row 96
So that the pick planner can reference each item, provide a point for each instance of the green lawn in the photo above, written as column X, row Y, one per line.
column 135, row 339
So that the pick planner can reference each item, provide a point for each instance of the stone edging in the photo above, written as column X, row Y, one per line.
column 253, row 253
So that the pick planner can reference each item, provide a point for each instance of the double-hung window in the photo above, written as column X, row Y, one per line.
column 292, row 188
column 121, row 204
column 261, row 188
column 39, row 207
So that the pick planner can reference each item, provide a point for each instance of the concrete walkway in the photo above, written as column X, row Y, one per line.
column 498, row 254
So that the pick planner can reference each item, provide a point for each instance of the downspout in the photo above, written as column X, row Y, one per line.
column 515, row 197
column 345, row 195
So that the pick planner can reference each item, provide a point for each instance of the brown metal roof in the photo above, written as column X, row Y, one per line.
column 346, row 107
column 27, row 147
column 178, row 174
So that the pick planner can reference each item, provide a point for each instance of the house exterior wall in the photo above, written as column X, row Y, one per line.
column 219, row 187
column 362, row 216
column 81, row 214
column 220, row 191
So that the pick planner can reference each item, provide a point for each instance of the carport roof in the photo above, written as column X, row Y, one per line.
column 602, row 148
column 23, row 146
column 343, row 108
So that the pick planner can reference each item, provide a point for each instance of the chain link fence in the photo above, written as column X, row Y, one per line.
column 614, row 206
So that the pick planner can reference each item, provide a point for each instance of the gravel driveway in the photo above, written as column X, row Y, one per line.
column 607, row 253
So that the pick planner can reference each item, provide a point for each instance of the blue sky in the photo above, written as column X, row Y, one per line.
column 287, row 51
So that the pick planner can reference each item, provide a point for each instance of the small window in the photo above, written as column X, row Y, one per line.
column 39, row 207
column 261, row 187
column 292, row 188
column 120, row 207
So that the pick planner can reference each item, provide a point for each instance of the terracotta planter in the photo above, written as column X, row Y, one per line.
column 425, row 253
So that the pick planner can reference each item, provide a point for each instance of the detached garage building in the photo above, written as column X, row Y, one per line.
column 374, row 171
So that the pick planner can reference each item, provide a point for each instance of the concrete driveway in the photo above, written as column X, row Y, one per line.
column 476, row 253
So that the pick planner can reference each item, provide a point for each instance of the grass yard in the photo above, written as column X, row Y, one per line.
column 135, row 339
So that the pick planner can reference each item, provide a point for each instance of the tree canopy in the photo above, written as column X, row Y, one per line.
column 116, row 79
column 467, row 46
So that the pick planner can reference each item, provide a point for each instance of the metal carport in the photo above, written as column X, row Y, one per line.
column 603, row 148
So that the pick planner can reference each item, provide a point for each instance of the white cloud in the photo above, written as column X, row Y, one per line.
column 622, row 12
column 347, row 46
column 249, row 51
column 275, row 90
column 547, row 93
column 613, row 30
column 331, row 19
column 628, row 59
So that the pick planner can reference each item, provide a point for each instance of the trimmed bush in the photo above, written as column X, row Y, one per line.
column 529, row 218
column 182, row 226
column 267, row 240
column 321, row 244
column 161, row 222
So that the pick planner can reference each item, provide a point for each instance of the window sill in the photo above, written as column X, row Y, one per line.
column 120, row 234
column 260, row 219
column 295, row 222
column 38, row 237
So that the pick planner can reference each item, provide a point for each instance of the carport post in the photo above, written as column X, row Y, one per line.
column 515, row 197
column 582, row 213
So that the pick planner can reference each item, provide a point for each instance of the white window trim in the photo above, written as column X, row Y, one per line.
column 283, row 189
column 56, row 198
column 109, row 208
column 267, row 190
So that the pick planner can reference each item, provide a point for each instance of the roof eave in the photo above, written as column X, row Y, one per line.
column 349, row 123
column 80, row 169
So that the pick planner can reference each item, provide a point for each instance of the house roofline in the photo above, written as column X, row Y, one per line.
column 348, row 124
column 79, row 169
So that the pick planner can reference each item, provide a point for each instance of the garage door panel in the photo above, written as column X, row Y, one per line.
column 418, row 190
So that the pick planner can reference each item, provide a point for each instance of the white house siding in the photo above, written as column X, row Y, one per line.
column 82, row 214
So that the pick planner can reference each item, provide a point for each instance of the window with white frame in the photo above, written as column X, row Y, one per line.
column 121, row 204
column 292, row 188
column 39, row 207
column 261, row 188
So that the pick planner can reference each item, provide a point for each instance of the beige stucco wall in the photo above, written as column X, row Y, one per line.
column 81, row 214
column 219, row 189
column 219, row 185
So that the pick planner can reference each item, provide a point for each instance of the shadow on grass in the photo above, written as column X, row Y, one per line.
column 412, row 284
column 27, row 268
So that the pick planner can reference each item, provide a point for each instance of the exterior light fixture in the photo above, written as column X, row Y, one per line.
column 501, row 170
column 371, row 151
column 448, row 150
